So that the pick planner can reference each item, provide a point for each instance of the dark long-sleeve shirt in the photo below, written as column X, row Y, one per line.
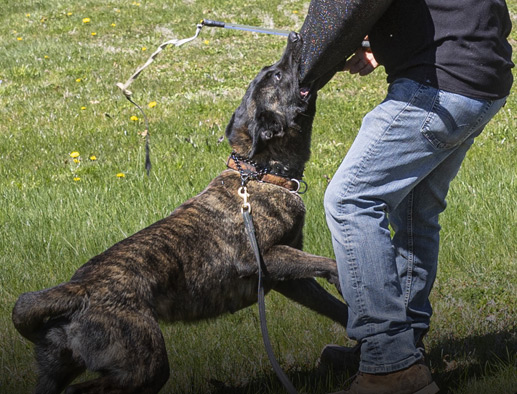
column 460, row 46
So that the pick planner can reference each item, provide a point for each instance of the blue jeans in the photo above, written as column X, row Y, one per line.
column 382, row 209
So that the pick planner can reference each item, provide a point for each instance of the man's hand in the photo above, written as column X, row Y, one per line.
column 361, row 62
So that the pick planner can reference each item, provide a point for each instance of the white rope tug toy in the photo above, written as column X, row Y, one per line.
column 175, row 42
column 124, row 87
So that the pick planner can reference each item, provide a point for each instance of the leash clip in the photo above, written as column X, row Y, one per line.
column 243, row 193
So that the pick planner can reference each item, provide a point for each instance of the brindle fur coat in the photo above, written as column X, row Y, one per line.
column 195, row 264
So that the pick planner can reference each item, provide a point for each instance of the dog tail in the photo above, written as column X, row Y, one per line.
column 32, row 310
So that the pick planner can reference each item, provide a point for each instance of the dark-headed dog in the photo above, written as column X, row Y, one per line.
column 196, row 263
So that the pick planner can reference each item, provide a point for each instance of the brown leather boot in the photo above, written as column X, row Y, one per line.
column 416, row 379
column 343, row 359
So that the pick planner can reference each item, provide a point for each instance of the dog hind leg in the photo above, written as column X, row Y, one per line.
column 128, row 350
column 112, row 382
column 107, row 384
column 55, row 383
column 56, row 365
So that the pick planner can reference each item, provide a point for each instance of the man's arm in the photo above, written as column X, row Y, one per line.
column 332, row 31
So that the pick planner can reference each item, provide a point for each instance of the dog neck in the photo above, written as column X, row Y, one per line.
column 248, row 170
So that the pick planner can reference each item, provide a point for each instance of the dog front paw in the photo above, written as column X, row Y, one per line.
column 334, row 280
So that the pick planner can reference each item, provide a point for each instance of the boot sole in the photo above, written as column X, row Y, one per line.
column 429, row 389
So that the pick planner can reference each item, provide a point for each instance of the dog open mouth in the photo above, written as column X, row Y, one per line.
column 304, row 93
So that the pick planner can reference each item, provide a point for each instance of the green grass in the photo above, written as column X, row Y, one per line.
column 58, row 95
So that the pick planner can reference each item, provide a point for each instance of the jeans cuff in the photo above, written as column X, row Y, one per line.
column 370, row 368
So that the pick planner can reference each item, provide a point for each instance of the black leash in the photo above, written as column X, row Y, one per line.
column 146, row 134
column 250, row 231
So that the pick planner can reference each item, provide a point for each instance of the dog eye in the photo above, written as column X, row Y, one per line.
column 278, row 76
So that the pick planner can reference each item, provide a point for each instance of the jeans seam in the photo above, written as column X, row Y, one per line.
column 437, row 144
column 354, row 268
column 480, row 118
column 410, row 247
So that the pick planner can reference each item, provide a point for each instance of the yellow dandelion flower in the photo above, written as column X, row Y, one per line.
column 76, row 161
column 144, row 49
column 74, row 154
column 28, row 15
column 152, row 104
column 86, row 20
column 93, row 158
column 134, row 118
column 78, row 80
column 206, row 42
column 69, row 14
column 295, row 11
column 121, row 175
column 19, row 38
column 76, row 178
column 113, row 24
column 83, row 108
column 94, row 34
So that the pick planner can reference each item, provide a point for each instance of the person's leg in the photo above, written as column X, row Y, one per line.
column 393, row 152
column 416, row 229
column 416, row 241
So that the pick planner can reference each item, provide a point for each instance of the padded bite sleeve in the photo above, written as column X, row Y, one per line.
column 332, row 31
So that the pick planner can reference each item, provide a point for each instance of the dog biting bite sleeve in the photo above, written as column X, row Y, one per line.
column 331, row 32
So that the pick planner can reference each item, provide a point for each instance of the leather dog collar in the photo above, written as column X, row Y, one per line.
column 249, row 171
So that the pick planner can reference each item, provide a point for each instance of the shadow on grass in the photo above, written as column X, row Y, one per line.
column 454, row 361
column 305, row 381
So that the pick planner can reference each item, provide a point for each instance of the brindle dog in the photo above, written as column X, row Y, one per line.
column 196, row 263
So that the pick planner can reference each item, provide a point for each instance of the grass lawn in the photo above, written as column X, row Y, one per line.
column 59, row 67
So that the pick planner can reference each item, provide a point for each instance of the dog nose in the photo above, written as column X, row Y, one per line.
column 293, row 36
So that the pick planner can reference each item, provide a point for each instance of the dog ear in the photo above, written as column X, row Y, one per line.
column 270, row 125
column 240, row 133
column 236, row 126
column 249, row 129
column 266, row 125
column 229, row 127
